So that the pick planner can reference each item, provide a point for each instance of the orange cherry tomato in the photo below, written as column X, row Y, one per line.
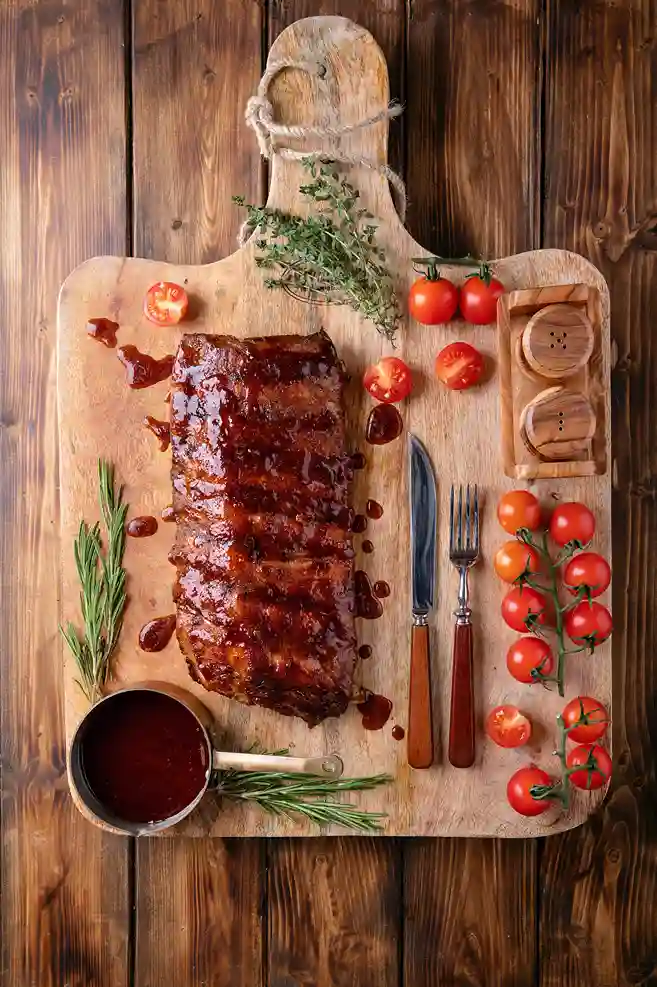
column 508, row 727
column 165, row 303
column 519, row 509
column 514, row 558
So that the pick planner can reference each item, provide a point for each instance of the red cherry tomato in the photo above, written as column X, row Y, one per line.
column 165, row 303
column 523, row 607
column 519, row 791
column 596, row 766
column 588, row 623
column 432, row 299
column 514, row 558
column 389, row 380
column 479, row 294
column 527, row 655
column 508, row 727
column 590, row 715
column 589, row 571
column 459, row 365
column 518, row 509
column 572, row 522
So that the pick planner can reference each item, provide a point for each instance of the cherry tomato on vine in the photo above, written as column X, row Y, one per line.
column 432, row 299
column 596, row 766
column 459, row 365
column 508, row 727
column 479, row 294
column 572, row 522
column 588, row 571
column 522, row 607
column 518, row 791
column 165, row 303
column 588, row 623
column 528, row 654
column 513, row 558
column 518, row 509
column 594, row 715
column 389, row 380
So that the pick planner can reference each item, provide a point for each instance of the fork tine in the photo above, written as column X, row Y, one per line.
column 468, row 544
column 451, row 521
column 459, row 545
column 476, row 519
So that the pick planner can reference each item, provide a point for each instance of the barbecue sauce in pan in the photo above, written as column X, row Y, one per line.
column 144, row 756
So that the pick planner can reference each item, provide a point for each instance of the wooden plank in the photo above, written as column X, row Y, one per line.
column 334, row 911
column 65, row 901
column 472, row 90
column 195, row 65
column 598, row 924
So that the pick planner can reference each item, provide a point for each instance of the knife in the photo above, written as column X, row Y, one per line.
column 422, row 488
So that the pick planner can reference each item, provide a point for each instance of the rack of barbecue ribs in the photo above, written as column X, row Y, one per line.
column 264, row 556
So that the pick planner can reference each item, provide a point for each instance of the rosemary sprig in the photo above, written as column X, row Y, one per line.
column 102, row 588
column 284, row 794
column 330, row 255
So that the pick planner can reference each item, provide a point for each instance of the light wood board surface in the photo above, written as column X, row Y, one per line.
column 100, row 415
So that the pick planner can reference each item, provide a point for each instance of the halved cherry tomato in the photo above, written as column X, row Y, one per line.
column 518, row 509
column 508, row 727
column 514, row 558
column 519, row 788
column 590, row 716
column 165, row 303
column 529, row 654
column 432, row 299
column 479, row 294
column 572, row 522
column 459, row 365
column 588, row 623
column 587, row 571
column 596, row 766
column 524, row 607
column 389, row 380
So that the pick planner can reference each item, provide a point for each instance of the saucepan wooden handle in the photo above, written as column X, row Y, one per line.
column 328, row 766
column 461, row 750
column 420, row 730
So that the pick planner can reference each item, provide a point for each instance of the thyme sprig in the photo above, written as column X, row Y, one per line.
column 284, row 794
column 102, row 588
column 330, row 255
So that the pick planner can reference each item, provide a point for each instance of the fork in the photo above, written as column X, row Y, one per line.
column 463, row 553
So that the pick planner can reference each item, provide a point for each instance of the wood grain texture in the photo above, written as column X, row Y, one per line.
column 64, row 883
column 232, row 292
column 599, row 883
column 473, row 90
column 334, row 912
column 194, row 66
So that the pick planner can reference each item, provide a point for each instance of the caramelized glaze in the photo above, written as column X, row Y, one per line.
column 156, row 634
column 141, row 527
column 143, row 370
column 160, row 429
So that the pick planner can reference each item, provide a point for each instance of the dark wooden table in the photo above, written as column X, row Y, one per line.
column 528, row 123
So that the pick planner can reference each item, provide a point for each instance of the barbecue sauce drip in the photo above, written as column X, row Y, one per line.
column 104, row 330
column 375, row 711
column 143, row 370
column 144, row 756
column 358, row 461
column 367, row 605
column 142, row 527
column 359, row 524
column 161, row 430
column 156, row 634
column 168, row 513
column 374, row 510
column 367, row 547
column 383, row 425
column 398, row 733
column 381, row 589
column 365, row 651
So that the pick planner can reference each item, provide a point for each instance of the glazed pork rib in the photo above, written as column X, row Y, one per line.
column 264, row 586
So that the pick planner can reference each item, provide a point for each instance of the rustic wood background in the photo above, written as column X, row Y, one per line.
column 529, row 123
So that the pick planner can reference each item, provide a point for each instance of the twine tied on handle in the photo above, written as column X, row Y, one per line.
column 259, row 116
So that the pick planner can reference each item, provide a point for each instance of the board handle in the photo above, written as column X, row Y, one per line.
column 329, row 766
column 461, row 750
column 420, row 729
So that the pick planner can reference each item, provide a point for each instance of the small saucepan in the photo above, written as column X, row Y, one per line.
column 142, row 757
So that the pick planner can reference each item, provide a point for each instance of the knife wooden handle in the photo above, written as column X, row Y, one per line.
column 461, row 750
column 420, row 730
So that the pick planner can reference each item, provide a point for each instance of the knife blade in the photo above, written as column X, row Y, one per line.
column 423, row 513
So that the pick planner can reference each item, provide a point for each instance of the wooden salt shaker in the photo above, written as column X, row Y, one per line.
column 557, row 424
column 557, row 341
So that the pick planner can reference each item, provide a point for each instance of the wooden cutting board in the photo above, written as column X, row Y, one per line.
column 99, row 415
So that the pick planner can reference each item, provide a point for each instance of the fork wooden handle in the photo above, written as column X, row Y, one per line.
column 461, row 750
column 420, row 731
